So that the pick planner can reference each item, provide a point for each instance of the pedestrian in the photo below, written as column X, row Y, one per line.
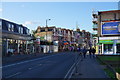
column 90, row 52
column 80, row 51
column 93, row 52
column 84, row 52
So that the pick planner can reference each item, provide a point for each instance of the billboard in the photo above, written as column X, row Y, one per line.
column 110, row 28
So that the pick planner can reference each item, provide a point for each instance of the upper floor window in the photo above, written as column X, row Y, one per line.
column 115, row 16
column 20, row 30
column 59, row 31
column 10, row 27
column 42, row 30
column 0, row 24
column 28, row 31
column 50, row 29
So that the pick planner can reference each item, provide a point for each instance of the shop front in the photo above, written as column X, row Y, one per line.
column 110, row 39
column 111, row 46
column 14, row 44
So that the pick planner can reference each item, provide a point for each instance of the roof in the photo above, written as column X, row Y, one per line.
column 109, row 11
column 13, row 23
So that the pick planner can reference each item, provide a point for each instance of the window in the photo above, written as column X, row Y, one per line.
column 19, row 29
column 108, row 47
column 28, row 31
column 10, row 27
column 50, row 29
column 42, row 30
column 0, row 24
column 114, row 16
column 118, row 48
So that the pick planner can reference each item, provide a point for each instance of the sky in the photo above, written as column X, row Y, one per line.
column 62, row 14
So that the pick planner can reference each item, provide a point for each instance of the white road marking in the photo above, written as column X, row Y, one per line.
column 29, row 68
column 28, row 61
column 73, row 70
column 13, row 75
column 72, row 67
column 69, row 71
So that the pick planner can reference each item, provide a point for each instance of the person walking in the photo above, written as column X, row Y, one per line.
column 93, row 52
column 84, row 52
column 90, row 52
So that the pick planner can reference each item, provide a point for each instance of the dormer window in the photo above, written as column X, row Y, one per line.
column 10, row 27
column 20, row 30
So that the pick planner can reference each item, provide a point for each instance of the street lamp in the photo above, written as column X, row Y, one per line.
column 46, row 32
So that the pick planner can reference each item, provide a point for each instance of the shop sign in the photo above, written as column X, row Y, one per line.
column 106, row 41
column 110, row 28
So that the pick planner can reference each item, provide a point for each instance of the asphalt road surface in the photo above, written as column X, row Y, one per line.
column 53, row 66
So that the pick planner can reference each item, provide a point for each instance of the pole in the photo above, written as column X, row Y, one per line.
column 46, row 35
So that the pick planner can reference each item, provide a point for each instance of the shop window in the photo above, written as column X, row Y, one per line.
column 108, row 47
column 118, row 48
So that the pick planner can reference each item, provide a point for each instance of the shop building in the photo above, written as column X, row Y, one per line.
column 15, row 38
column 109, row 32
column 60, row 38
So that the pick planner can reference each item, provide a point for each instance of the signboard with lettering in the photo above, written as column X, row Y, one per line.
column 110, row 28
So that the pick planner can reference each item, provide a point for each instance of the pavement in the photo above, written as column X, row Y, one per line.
column 89, row 68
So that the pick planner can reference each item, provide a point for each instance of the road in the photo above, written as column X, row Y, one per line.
column 53, row 66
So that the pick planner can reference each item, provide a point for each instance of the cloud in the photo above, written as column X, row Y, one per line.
column 28, row 22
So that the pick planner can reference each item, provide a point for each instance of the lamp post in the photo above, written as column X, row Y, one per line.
column 46, row 32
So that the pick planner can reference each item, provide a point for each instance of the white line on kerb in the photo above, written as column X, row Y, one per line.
column 27, row 61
